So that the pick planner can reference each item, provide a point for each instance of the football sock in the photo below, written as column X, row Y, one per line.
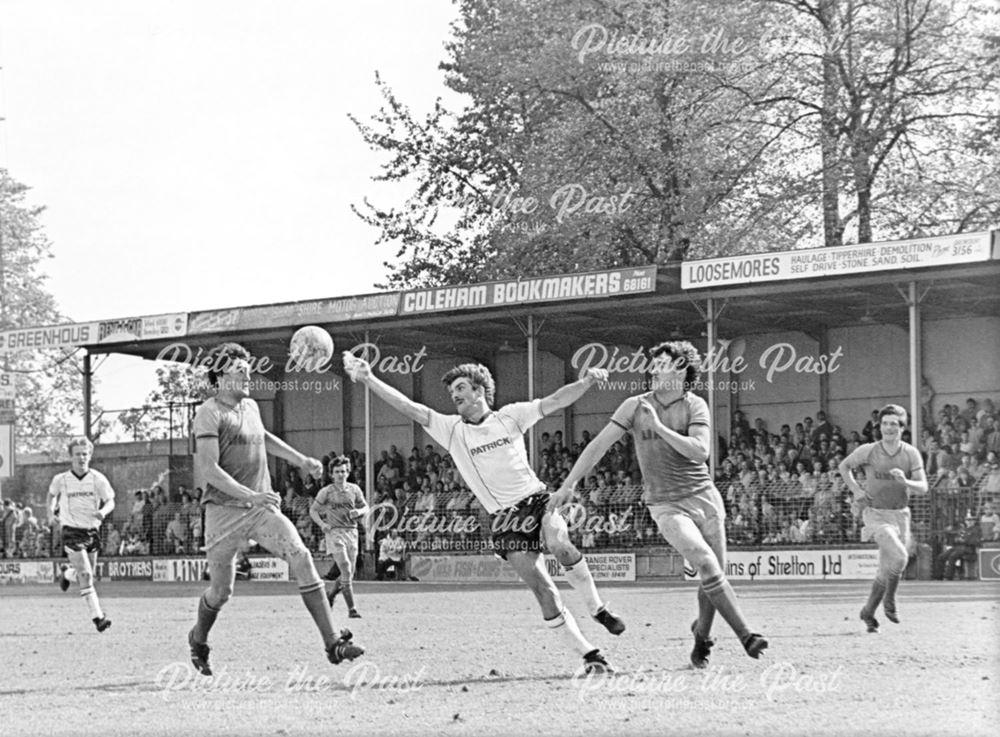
column 875, row 597
column 206, row 618
column 348, row 592
column 566, row 624
column 891, row 585
column 90, row 597
column 723, row 598
column 579, row 577
column 315, row 600
column 706, row 613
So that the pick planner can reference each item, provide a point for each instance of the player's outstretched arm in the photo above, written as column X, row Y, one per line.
column 565, row 396
column 360, row 372
column 594, row 451
column 277, row 447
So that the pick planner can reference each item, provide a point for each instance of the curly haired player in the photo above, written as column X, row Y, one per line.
column 893, row 470
column 673, row 437
column 488, row 449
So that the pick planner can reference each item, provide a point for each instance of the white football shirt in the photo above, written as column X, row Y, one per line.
column 491, row 455
column 79, row 499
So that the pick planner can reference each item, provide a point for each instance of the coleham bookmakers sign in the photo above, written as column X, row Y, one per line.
column 536, row 289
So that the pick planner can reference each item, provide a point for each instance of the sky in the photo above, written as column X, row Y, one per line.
column 193, row 155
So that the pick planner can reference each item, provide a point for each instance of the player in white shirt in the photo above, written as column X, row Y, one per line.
column 487, row 447
column 80, row 499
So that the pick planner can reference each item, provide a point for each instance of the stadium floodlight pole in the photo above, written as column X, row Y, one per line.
column 916, row 361
column 369, row 459
column 530, row 334
column 87, row 373
column 710, row 320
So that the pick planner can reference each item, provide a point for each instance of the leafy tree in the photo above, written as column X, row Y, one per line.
column 687, row 129
column 49, row 383
column 906, row 94
column 621, row 159
column 167, row 409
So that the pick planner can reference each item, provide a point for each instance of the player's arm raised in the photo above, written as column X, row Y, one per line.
column 591, row 454
column 277, row 447
column 360, row 372
column 565, row 396
column 206, row 458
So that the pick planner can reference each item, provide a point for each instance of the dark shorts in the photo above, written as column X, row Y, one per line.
column 79, row 538
column 519, row 528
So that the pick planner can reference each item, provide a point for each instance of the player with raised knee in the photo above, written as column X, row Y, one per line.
column 80, row 499
column 673, row 437
column 337, row 509
column 487, row 447
column 893, row 470
column 231, row 465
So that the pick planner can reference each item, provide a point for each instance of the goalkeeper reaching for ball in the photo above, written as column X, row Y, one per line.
column 487, row 446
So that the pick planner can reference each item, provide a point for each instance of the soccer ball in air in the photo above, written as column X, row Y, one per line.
column 311, row 349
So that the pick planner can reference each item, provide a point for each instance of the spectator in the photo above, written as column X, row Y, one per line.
column 391, row 554
column 147, row 521
column 8, row 529
column 871, row 431
column 989, row 523
column 162, row 514
column 823, row 427
column 963, row 550
column 992, row 485
column 112, row 540
column 188, row 510
column 133, row 543
column 969, row 413
column 177, row 534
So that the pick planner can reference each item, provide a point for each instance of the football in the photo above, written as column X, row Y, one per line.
column 311, row 349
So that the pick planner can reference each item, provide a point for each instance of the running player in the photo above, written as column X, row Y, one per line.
column 231, row 463
column 673, row 436
column 893, row 470
column 488, row 449
column 80, row 499
column 336, row 509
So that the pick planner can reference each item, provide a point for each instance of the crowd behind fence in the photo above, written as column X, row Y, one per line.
column 778, row 488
